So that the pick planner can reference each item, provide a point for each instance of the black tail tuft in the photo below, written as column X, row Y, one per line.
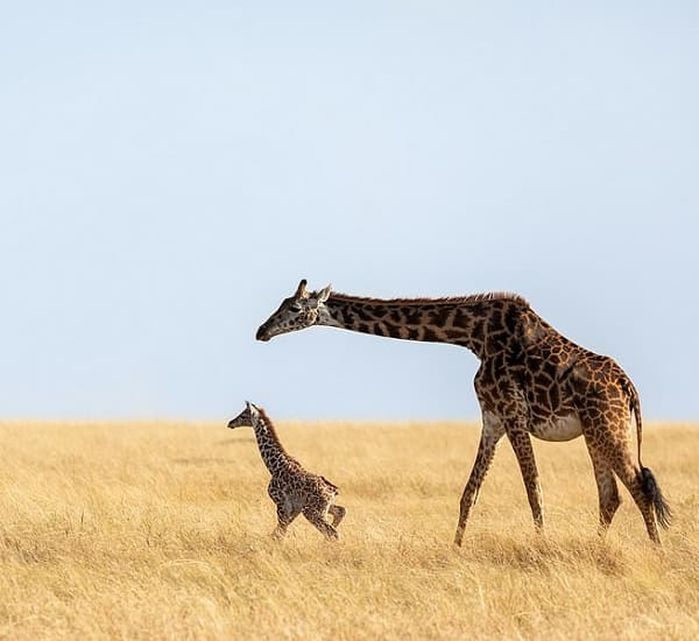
column 652, row 490
column 331, row 485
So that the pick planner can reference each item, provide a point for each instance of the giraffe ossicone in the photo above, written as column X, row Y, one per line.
column 532, row 381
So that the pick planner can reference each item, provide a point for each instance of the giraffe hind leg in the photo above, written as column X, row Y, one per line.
column 631, row 478
column 338, row 513
column 315, row 517
column 607, row 490
column 612, row 440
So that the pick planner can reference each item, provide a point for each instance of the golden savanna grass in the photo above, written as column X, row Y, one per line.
column 160, row 531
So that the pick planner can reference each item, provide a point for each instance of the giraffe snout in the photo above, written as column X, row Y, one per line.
column 262, row 334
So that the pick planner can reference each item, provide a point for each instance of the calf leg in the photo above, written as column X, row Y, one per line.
column 285, row 516
column 338, row 513
column 316, row 518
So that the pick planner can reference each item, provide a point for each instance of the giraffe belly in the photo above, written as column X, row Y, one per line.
column 558, row 428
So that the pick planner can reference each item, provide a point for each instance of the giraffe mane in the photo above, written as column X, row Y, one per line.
column 444, row 300
column 272, row 431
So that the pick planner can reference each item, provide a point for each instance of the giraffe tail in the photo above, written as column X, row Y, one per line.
column 649, row 485
column 331, row 485
column 651, row 489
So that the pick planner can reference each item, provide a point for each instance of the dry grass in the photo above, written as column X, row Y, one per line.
column 160, row 531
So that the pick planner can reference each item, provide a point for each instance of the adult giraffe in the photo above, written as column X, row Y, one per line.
column 532, row 380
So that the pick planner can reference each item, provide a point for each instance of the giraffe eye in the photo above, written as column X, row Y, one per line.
column 295, row 308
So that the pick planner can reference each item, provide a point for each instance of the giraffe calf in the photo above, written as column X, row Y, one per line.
column 293, row 490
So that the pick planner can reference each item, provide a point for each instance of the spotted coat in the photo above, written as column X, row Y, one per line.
column 293, row 490
column 532, row 381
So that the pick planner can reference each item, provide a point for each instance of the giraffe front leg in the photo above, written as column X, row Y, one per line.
column 490, row 435
column 522, row 446
column 286, row 513
column 284, row 519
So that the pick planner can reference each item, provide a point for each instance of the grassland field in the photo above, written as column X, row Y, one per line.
column 160, row 530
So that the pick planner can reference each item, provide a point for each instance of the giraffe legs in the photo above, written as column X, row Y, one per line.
column 284, row 517
column 315, row 517
column 338, row 513
column 630, row 476
column 315, row 510
column 490, row 435
column 607, row 490
column 610, row 443
column 522, row 446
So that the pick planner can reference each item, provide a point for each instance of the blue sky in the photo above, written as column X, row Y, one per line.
column 171, row 170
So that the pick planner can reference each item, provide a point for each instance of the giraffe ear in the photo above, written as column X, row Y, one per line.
column 324, row 294
column 301, row 289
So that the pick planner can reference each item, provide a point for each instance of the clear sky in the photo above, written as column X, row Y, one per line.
column 170, row 170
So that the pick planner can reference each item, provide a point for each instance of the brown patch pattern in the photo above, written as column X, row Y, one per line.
column 293, row 490
column 532, row 381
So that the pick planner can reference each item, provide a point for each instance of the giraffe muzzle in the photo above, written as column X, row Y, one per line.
column 262, row 334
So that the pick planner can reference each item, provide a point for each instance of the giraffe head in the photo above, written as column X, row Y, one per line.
column 246, row 418
column 299, row 311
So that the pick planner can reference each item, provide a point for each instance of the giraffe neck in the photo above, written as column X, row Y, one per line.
column 271, row 449
column 480, row 323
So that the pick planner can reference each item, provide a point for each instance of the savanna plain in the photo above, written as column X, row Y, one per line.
column 160, row 530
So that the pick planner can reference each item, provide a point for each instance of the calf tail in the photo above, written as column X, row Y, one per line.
column 331, row 485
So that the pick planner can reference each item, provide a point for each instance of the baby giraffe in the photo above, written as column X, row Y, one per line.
column 293, row 489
